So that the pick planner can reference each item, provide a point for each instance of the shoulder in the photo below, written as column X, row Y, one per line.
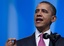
column 26, row 39
column 61, row 39
column 60, row 42
column 23, row 42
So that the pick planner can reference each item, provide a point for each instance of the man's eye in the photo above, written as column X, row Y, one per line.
column 45, row 11
column 37, row 10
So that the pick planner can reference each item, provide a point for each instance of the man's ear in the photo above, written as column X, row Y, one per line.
column 53, row 18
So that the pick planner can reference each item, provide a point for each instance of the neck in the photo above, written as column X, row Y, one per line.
column 43, row 29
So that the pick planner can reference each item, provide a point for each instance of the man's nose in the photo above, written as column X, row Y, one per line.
column 39, row 15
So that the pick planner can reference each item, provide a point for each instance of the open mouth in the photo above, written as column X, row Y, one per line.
column 39, row 20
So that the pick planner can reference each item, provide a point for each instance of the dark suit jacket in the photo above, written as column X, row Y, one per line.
column 30, row 41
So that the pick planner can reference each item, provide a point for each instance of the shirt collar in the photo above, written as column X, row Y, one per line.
column 37, row 33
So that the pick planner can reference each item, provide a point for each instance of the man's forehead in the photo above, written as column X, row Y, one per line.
column 43, row 5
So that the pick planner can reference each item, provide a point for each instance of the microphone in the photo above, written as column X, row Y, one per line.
column 46, row 36
column 53, row 37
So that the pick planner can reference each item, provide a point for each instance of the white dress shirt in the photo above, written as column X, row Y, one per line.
column 37, row 33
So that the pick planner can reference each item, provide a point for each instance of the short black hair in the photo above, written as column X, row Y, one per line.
column 52, row 6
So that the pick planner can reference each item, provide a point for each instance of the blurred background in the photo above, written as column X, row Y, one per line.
column 17, row 18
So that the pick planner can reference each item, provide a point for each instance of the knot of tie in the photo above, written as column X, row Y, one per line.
column 41, row 35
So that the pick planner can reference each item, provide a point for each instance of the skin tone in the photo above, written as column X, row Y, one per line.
column 10, row 43
column 43, row 19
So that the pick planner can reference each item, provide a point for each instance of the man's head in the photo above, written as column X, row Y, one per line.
column 45, row 14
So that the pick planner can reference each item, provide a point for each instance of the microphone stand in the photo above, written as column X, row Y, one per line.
column 53, row 37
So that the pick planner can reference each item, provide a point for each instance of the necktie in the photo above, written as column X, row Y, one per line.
column 41, row 41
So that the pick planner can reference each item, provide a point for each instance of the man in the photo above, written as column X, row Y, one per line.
column 45, row 15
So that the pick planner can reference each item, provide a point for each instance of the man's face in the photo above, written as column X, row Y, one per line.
column 43, row 15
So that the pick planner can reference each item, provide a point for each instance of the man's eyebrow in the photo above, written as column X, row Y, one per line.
column 37, row 10
column 44, row 10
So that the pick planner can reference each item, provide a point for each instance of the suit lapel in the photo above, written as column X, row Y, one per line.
column 32, row 41
column 50, row 43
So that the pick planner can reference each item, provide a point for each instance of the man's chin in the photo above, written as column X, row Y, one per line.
column 38, row 25
column 39, row 28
